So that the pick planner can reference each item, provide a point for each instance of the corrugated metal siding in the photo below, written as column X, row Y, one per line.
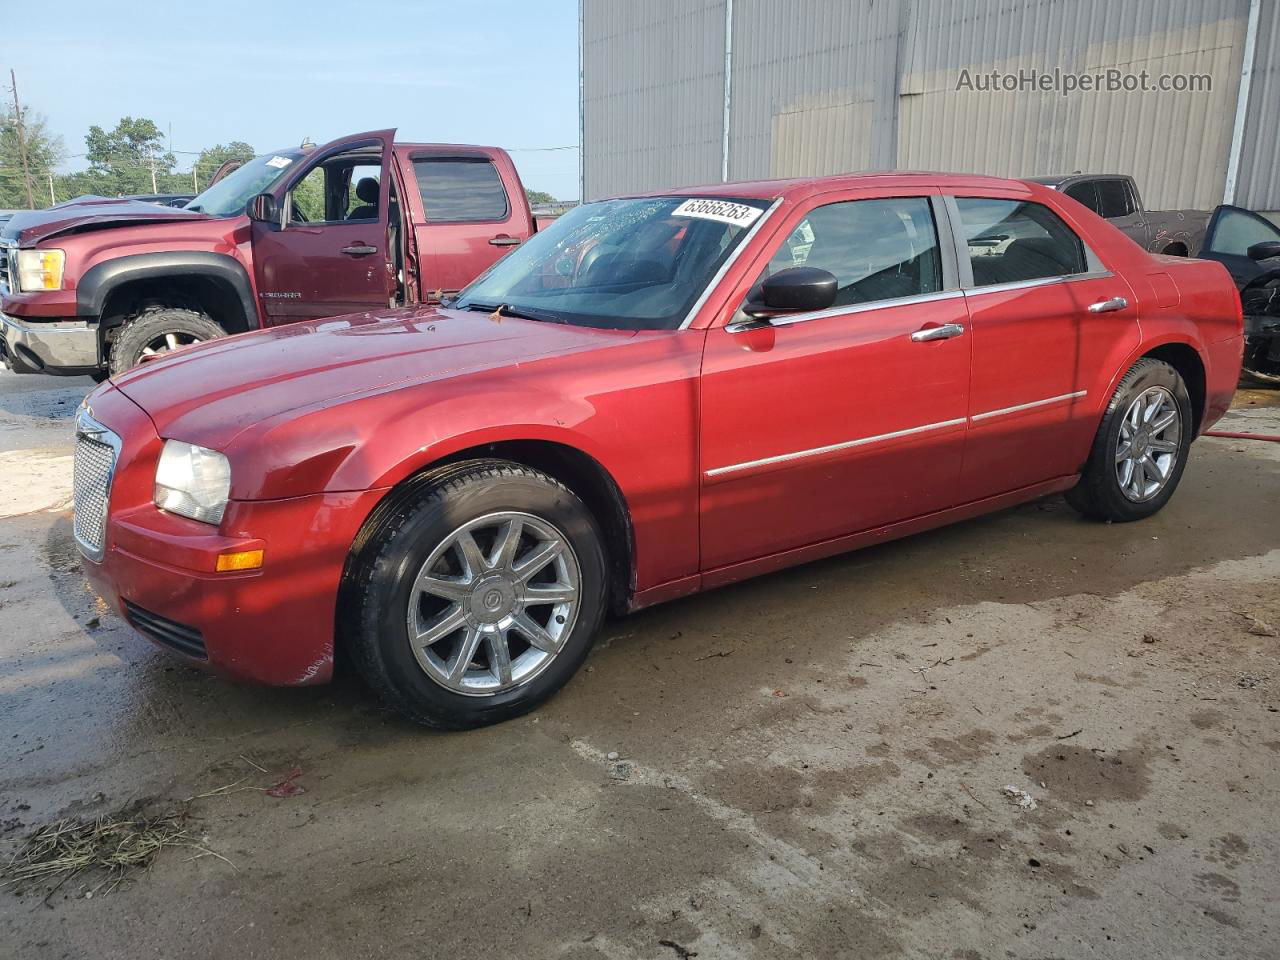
column 813, row 85
column 1258, row 186
column 1175, row 144
column 823, row 86
column 654, row 94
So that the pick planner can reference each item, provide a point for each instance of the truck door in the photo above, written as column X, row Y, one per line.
column 328, row 251
column 468, row 210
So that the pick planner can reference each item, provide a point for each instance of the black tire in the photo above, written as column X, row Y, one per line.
column 402, row 535
column 1099, row 495
column 155, row 323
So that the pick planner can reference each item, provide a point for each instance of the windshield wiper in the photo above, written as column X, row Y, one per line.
column 506, row 310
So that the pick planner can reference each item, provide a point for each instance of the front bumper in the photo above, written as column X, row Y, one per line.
column 62, row 347
column 275, row 625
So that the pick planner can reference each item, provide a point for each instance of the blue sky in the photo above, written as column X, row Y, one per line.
column 271, row 72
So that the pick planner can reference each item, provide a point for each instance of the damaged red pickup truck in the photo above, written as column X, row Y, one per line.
column 654, row 396
column 361, row 222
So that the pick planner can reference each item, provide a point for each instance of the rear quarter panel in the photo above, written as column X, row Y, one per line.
column 1181, row 301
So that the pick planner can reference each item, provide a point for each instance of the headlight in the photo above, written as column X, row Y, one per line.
column 192, row 481
column 40, row 270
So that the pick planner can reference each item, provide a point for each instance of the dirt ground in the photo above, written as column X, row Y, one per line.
column 811, row 765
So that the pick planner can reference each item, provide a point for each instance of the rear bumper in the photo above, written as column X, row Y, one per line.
column 275, row 625
column 62, row 347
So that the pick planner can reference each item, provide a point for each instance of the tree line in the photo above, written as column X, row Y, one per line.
column 129, row 159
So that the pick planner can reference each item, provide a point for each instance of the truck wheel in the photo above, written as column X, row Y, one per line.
column 1141, row 446
column 158, row 330
column 475, row 596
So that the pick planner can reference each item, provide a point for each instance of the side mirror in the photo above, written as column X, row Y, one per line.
column 264, row 209
column 794, row 290
column 1264, row 250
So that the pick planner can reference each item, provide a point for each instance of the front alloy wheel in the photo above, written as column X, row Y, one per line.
column 475, row 594
column 493, row 603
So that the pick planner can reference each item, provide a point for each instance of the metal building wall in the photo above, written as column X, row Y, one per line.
column 1175, row 144
column 1258, row 186
column 653, row 94
column 824, row 86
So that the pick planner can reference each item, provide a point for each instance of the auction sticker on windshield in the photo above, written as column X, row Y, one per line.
column 725, row 211
column 279, row 162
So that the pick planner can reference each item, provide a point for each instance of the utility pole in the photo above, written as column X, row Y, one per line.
column 22, row 140
column 52, row 198
column 194, row 185
column 152, row 154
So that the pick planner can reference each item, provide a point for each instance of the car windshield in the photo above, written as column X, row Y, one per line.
column 619, row 264
column 230, row 195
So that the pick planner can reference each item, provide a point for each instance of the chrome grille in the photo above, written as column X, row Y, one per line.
column 96, row 451
column 6, row 271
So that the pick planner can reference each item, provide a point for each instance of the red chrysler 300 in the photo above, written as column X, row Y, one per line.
column 656, row 395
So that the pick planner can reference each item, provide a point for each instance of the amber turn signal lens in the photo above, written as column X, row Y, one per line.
column 245, row 560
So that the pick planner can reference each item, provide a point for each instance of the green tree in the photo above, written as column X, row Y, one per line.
column 44, row 152
column 539, row 196
column 130, row 158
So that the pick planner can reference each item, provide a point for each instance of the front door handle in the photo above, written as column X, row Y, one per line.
column 944, row 332
column 1106, row 306
column 359, row 250
column 503, row 240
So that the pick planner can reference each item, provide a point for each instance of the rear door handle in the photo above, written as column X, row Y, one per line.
column 944, row 332
column 1106, row 306
column 503, row 240
column 359, row 250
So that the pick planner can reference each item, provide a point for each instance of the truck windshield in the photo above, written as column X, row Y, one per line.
column 619, row 264
column 229, row 196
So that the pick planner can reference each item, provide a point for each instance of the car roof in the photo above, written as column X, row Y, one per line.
column 800, row 187
column 1062, row 178
column 473, row 147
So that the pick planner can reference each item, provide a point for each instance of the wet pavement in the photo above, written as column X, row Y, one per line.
column 812, row 764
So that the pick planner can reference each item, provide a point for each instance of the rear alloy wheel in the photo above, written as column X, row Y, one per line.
column 157, row 331
column 475, row 595
column 1150, row 439
column 1141, row 447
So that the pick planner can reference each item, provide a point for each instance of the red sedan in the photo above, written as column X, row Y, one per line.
column 656, row 395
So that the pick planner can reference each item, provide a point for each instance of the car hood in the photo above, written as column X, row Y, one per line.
column 208, row 394
column 29, row 227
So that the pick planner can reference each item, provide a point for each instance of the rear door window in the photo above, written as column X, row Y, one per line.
column 461, row 190
column 1114, row 199
column 1085, row 193
column 1011, row 241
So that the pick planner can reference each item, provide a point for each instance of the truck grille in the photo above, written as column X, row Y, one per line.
column 95, row 463
column 6, row 271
